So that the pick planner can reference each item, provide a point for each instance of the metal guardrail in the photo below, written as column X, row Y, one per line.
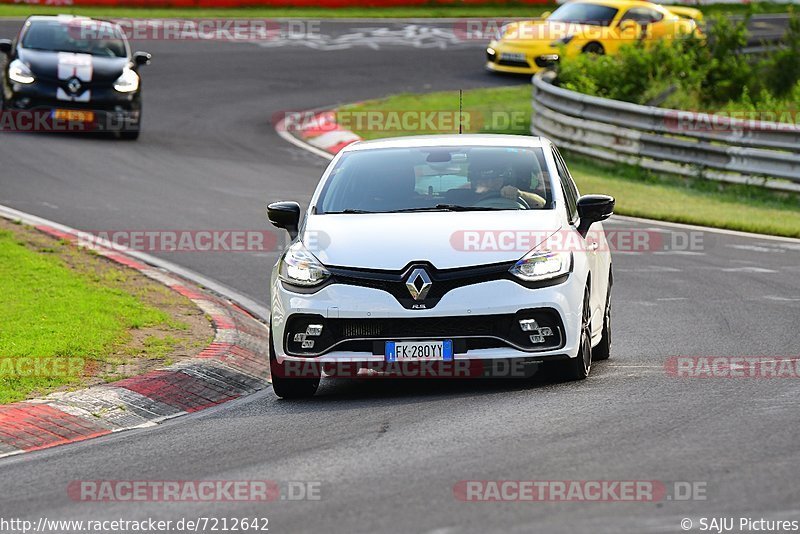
column 682, row 142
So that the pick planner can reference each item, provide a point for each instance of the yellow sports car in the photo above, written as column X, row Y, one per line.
column 585, row 26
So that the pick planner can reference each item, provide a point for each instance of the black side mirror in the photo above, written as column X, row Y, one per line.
column 285, row 215
column 6, row 47
column 592, row 209
column 142, row 58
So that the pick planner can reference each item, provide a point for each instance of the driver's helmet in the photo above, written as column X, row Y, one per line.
column 488, row 171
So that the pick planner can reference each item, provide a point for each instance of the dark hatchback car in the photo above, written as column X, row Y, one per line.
column 75, row 72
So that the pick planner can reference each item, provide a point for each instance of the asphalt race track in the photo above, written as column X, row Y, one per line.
column 388, row 453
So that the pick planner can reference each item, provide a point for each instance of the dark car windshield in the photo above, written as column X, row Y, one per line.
column 81, row 37
column 437, row 179
column 590, row 14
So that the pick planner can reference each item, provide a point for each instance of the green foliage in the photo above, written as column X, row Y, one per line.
column 693, row 72
column 782, row 69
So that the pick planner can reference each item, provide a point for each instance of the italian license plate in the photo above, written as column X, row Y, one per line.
column 513, row 57
column 73, row 115
column 419, row 351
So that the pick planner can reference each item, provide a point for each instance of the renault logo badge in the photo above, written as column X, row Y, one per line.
column 74, row 85
column 418, row 283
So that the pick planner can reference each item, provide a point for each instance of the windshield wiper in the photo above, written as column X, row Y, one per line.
column 437, row 207
column 447, row 207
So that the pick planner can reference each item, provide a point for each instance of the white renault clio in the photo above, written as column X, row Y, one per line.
column 452, row 248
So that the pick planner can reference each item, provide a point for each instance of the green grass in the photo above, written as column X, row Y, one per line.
column 638, row 192
column 48, row 310
column 159, row 347
column 426, row 11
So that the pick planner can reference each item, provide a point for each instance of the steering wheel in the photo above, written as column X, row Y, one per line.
column 497, row 200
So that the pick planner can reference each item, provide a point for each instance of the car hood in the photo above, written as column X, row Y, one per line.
column 45, row 65
column 538, row 32
column 445, row 239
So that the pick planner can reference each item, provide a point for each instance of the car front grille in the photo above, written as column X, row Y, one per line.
column 467, row 332
column 513, row 63
column 442, row 280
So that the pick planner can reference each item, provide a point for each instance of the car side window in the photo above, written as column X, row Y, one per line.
column 567, row 186
column 642, row 15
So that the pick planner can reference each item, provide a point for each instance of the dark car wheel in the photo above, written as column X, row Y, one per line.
column 287, row 387
column 594, row 48
column 603, row 349
column 578, row 368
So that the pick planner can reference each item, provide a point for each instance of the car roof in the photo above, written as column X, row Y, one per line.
column 619, row 4
column 64, row 18
column 449, row 140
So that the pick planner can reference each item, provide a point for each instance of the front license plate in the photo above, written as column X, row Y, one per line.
column 513, row 57
column 73, row 115
column 419, row 351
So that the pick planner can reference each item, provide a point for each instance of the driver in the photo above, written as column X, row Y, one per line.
column 494, row 181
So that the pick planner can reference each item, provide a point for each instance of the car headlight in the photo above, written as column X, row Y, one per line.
column 563, row 41
column 19, row 72
column 539, row 265
column 128, row 82
column 300, row 267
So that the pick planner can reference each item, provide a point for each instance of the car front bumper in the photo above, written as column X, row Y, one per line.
column 359, row 320
column 519, row 59
column 33, row 107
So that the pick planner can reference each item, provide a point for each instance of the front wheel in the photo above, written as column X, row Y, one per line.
column 286, row 386
column 603, row 349
column 578, row 368
column 594, row 48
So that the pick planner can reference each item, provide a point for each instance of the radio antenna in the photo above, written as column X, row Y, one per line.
column 459, row 110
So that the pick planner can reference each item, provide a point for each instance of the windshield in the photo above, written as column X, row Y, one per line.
column 81, row 37
column 437, row 179
column 590, row 14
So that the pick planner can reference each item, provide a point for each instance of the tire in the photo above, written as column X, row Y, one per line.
column 578, row 368
column 288, row 387
column 603, row 349
column 594, row 48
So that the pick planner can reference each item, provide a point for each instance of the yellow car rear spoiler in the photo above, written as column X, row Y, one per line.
column 686, row 12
